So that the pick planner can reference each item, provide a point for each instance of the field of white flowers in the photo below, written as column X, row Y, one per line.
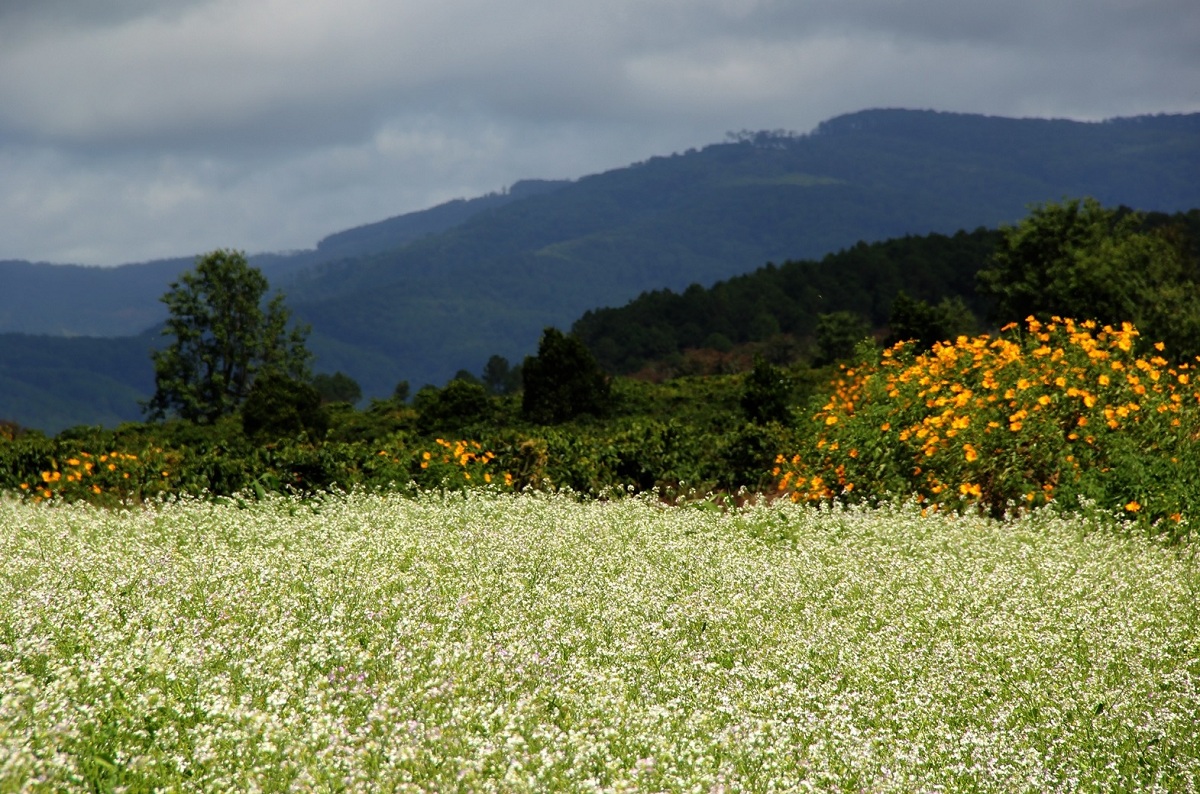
column 534, row 643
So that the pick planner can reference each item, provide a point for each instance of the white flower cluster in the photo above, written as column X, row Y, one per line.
column 480, row 642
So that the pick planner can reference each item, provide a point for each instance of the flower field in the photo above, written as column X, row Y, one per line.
column 482, row 641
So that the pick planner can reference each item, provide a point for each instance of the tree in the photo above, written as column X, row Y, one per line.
column 499, row 377
column 449, row 409
column 838, row 335
column 563, row 381
column 337, row 388
column 766, row 393
column 223, row 339
column 1080, row 260
column 916, row 320
column 282, row 407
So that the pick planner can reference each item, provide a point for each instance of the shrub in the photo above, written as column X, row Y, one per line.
column 1059, row 412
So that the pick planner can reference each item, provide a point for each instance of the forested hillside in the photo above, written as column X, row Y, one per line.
column 788, row 299
column 423, row 296
column 782, row 308
column 77, row 300
column 488, row 286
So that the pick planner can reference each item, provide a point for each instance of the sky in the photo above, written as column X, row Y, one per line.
column 133, row 130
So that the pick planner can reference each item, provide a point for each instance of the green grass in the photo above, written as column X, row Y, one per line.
column 534, row 643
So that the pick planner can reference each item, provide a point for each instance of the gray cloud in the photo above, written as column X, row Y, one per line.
column 132, row 129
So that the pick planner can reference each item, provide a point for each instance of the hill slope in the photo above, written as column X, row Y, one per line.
column 419, row 298
column 490, row 285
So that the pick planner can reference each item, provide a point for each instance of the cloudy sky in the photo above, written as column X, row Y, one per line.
column 136, row 129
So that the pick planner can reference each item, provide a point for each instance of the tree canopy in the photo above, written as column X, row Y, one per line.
column 562, row 381
column 223, row 338
column 1079, row 259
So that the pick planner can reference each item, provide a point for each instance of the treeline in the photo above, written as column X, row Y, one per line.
column 789, row 299
column 1075, row 259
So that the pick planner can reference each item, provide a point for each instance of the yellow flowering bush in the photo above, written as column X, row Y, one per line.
column 112, row 478
column 1045, row 412
column 454, row 464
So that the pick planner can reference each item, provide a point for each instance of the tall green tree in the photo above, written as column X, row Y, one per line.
column 838, row 335
column 337, row 388
column 222, row 339
column 1078, row 259
column 562, row 381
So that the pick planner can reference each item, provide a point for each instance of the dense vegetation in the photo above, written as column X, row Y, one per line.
column 420, row 297
column 1049, row 411
column 788, row 300
column 1073, row 259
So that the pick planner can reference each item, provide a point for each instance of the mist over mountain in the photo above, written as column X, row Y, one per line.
column 423, row 295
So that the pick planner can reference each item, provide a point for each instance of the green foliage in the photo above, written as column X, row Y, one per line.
column 501, row 378
column 838, row 335
column 282, row 407
column 448, row 410
column 337, row 388
column 222, row 339
column 778, row 306
column 917, row 321
column 1079, row 259
column 747, row 454
column 562, row 381
column 1130, row 450
column 766, row 393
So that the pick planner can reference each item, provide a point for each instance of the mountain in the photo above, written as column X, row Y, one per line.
column 79, row 300
column 421, row 296
column 51, row 383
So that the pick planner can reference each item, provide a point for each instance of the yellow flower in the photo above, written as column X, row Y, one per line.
column 1133, row 506
column 970, row 453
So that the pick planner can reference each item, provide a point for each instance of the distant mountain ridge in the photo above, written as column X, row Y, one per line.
column 87, row 300
column 423, row 295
